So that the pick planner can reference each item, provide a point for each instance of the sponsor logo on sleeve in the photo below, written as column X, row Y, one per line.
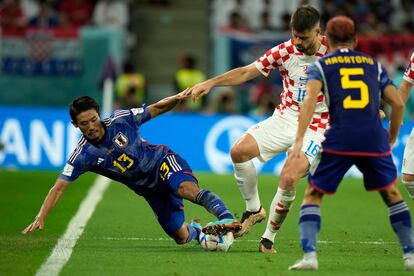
column 68, row 170
column 137, row 111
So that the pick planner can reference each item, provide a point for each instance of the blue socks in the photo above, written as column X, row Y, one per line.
column 193, row 233
column 213, row 204
column 310, row 222
column 309, row 226
column 401, row 224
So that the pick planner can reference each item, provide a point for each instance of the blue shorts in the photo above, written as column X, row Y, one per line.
column 325, row 174
column 164, row 201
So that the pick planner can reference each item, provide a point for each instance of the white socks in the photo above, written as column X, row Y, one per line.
column 246, row 177
column 278, row 211
column 410, row 188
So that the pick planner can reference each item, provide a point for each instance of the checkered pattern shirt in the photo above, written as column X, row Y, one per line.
column 292, row 66
column 409, row 72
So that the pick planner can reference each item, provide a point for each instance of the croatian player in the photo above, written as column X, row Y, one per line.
column 408, row 160
column 276, row 134
column 114, row 148
column 353, row 84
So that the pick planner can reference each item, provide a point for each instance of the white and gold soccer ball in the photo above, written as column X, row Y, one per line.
column 216, row 242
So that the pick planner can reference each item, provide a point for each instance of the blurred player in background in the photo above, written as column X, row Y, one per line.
column 276, row 134
column 408, row 160
column 353, row 84
column 114, row 148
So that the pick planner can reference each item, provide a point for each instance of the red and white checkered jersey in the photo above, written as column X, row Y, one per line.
column 292, row 66
column 409, row 72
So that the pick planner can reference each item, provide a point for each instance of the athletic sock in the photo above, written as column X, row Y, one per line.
column 213, row 204
column 309, row 226
column 193, row 233
column 409, row 185
column 279, row 209
column 401, row 224
column 246, row 178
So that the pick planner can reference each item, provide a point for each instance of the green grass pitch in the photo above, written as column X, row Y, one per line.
column 123, row 238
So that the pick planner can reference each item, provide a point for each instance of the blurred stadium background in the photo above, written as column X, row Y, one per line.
column 128, row 52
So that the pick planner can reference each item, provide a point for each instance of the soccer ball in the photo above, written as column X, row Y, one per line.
column 216, row 243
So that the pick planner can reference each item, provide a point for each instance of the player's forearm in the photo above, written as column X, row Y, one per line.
column 236, row 76
column 163, row 105
column 305, row 116
column 404, row 90
column 51, row 199
column 395, row 120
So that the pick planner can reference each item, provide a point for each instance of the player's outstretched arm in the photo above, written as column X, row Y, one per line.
column 50, row 201
column 397, row 109
column 233, row 77
column 404, row 90
column 166, row 104
column 313, row 87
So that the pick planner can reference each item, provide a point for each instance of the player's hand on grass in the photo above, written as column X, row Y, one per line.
column 36, row 224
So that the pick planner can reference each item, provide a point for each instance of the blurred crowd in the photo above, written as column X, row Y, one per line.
column 15, row 15
column 377, row 22
column 373, row 17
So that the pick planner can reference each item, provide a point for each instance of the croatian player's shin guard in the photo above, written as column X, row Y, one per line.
column 279, row 209
column 401, row 224
column 213, row 204
column 309, row 226
column 409, row 185
column 246, row 178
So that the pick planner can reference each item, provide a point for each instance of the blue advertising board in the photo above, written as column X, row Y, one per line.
column 42, row 139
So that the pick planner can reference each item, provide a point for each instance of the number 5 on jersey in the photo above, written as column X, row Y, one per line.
column 358, row 84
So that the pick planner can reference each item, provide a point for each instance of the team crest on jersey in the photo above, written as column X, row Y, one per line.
column 120, row 140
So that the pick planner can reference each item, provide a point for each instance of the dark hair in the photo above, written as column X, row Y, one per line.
column 81, row 104
column 304, row 18
column 340, row 29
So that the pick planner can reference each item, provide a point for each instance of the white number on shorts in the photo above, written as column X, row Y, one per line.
column 313, row 149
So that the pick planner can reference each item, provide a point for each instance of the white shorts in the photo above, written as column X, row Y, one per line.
column 277, row 134
column 408, row 160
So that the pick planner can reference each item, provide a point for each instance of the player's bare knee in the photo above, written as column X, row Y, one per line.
column 289, row 177
column 391, row 195
column 287, row 181
column 408, row 177
column 188, row 190
column 236, row 154
column 312, row 196
column 181, row 236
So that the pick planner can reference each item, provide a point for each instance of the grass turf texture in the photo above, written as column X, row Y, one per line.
column 123, row 237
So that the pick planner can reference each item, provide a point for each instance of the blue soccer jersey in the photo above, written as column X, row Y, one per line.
column 353, row 84
column 122, row 155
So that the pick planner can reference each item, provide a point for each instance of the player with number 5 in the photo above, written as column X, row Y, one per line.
column 353, row 84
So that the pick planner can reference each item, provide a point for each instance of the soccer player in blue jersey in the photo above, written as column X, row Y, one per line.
column 114, row 148
column 353, row 84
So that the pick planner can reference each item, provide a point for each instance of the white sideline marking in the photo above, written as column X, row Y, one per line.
column 379, row 242
column 64, row 247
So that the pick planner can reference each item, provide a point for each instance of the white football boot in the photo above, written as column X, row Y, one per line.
column 308, row 262
column 409, row 261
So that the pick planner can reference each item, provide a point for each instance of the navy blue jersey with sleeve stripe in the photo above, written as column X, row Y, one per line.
column 122, row 155
column 353, row 84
